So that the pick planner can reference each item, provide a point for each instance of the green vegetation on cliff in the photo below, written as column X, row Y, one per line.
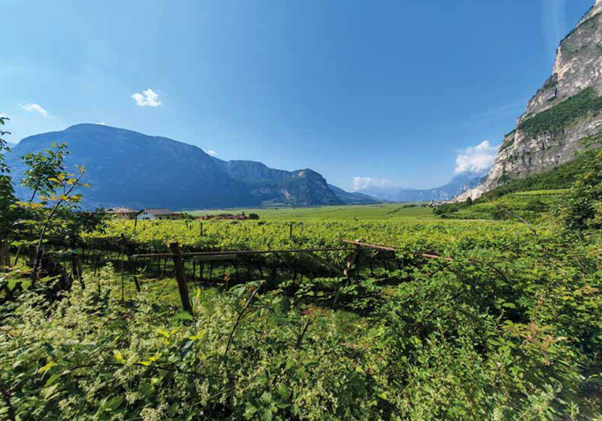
column 560, row 116
column 531, row 197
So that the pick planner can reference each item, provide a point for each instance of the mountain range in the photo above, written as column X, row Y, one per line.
column 458, row 185
column 126, row 168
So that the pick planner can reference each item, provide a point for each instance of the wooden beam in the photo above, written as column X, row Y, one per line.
column 240, row 252
column 215, row 257
column 369, row 246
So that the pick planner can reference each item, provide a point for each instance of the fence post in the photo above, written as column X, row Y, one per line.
column 181, row 277
column 4, row 256
column 351, row 261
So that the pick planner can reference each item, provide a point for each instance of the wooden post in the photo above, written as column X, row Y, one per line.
column 131, row 267
column 351, row 261
column 291, row 231
column 4, row 254
column 181, row 277
column 32, row 254
column 77, row 270
column 201, row 228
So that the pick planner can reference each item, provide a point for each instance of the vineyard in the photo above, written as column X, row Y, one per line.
column 451, row 320
column 383, row 312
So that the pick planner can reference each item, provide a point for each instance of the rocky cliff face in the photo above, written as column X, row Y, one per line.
column 563, row 113
column 298, row 188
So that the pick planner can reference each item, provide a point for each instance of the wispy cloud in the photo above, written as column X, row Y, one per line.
column 102, row 124
column 494, row 113
column 35, row 108
column 360, row 183
column 212, row 152
column 476, row 158
column 147, row 98
column 553, row 23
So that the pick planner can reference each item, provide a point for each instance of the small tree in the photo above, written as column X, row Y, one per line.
column 43, row 168
column 59, row 200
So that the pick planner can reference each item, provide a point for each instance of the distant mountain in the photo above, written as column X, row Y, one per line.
column 298, row 188
column 126, row 168
column 352, row 198
column 458, row 185
column 384, row 194
column 11, row 145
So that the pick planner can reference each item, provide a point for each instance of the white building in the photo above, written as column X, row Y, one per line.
column 160, row 214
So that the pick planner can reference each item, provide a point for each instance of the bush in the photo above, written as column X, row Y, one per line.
column 583, row 210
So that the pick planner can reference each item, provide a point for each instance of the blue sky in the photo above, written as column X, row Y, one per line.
column 376, row 92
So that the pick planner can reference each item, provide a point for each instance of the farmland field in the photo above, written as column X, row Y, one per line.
column 394, row 211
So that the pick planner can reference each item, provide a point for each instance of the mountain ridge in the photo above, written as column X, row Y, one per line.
column 128, row 168
column 459, row 184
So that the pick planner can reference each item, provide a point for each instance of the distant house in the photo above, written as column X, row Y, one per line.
column 123, row 213
column 157, row 214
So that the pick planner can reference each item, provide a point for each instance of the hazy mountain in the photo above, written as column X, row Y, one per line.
column 126, row 168
column 352, row 198
column 562, row 116
column 298, row 188
column 458, row 185
column 385, row 194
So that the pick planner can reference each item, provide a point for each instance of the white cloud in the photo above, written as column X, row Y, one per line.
column 360, row 183
column 212, row 152
column 35, row 108
column 102, row 124
column 476, row 158
column 148, row 98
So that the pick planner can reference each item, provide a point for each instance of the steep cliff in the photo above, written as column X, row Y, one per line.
column 563, row 114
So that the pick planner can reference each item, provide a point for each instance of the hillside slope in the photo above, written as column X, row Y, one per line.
column 352, row 198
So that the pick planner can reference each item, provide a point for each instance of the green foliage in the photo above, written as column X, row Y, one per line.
column 3, row 146
column 508, row 142
column 583, row 210
column 393, row 211
column 560, row 116
column 44, row 169
column 531, row 205
column 8, row 213
column 509, row 330
column 552, row 82
column 519, row 195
